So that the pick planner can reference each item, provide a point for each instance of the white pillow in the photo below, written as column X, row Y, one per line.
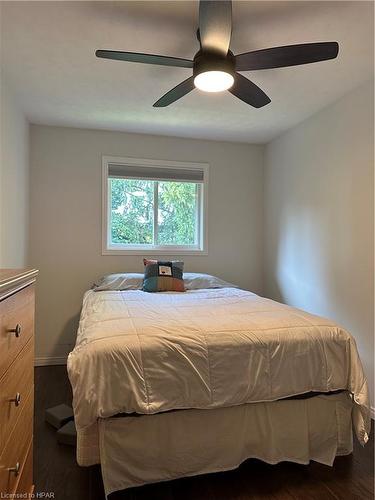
column 120, row 281
column 134, row 281
column 196, row 281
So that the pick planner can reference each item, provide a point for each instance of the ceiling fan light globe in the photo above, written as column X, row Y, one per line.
column 213, row 81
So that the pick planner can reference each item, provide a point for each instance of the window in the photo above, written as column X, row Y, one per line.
column 153, row 206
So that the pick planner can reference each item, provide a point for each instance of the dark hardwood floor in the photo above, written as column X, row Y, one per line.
column 56, row 471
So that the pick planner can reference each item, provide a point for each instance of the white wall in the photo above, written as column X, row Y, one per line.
column 65, row 213
column 14, row 181
column 319, row 224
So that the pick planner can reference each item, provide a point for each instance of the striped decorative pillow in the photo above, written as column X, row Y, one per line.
column 163, row 276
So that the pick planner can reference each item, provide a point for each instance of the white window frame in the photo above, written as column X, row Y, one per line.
column 118, row 249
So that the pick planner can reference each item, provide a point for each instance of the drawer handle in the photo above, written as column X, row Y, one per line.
column 17, row 399
column 16, row 331
column 15, row 469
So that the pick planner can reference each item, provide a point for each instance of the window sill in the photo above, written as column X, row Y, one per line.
column 154, row 251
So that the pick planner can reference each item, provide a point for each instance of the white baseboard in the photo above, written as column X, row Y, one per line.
column 50, row 360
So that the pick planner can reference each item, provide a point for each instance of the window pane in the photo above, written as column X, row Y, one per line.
column 132, row 211
column 177, row 220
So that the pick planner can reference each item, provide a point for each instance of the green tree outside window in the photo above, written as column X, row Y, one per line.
column 133, row 204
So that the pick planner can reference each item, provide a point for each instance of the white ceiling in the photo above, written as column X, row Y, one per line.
column 47, row 54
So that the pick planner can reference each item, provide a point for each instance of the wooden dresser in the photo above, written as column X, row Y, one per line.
column 16, row 381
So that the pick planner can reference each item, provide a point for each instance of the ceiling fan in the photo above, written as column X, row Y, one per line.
column 215, row 67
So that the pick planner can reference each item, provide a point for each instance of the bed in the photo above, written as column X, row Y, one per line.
column 169, row 384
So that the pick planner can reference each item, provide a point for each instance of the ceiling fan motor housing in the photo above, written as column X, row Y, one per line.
column 212, row 61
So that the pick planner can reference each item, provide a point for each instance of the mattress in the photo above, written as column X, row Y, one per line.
column 146, row 353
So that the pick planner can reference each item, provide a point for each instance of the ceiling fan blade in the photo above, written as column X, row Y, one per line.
column 289, row 55
column 215, row 25
column 248, row 92
column 176, row 93
column 144, row 58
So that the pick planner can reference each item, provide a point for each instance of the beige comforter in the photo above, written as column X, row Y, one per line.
column 147, row 353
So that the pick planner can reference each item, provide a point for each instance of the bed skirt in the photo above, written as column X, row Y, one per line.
column 136, row 450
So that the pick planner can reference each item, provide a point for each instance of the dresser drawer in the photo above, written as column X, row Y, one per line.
column 16, row 313
column 15, row 452
column 15, row 385
column 25, row 482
